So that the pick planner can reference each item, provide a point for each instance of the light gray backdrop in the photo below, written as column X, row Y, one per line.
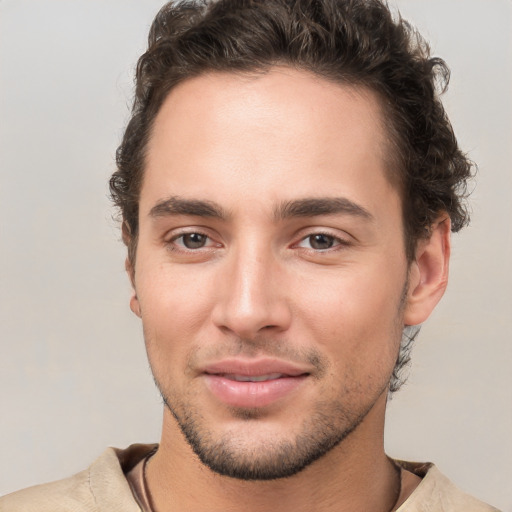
column 73, row 374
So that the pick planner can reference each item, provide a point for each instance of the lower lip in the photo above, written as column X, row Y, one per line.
column 252, row 394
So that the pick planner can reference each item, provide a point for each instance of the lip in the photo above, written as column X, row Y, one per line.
column 254, row 367
column 284, row 378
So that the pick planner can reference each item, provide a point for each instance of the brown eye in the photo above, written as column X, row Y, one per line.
column 193, row 240
column 320, row 241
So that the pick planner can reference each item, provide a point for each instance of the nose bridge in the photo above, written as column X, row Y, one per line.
column 250, row 299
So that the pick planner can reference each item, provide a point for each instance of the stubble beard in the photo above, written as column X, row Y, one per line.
column 272, row 457
column 270, row 460
column 330, row 423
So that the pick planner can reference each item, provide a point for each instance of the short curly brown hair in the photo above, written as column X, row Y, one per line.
column 357, row 42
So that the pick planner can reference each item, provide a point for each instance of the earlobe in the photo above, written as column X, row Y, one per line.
column 428, row 275
column 134, row 300
column 134, row 304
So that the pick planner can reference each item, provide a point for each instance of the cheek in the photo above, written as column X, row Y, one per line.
column 356, row 318
column 172, row 294
column 175, row 306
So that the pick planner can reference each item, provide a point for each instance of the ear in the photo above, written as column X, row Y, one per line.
column 134, row 300
column 428, row 274
column 130, row 270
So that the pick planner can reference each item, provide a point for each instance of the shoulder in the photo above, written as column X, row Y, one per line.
column 72, row 493
column 101, row 487
column 437, row 493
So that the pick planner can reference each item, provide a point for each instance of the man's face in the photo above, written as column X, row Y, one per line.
column 270, row 273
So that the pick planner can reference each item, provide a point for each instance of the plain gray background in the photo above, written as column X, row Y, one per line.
column 73, row 373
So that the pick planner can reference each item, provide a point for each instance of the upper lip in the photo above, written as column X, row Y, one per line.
column 254, row 367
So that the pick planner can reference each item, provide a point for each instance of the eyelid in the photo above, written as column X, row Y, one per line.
column 178, row 233
column 340, row 240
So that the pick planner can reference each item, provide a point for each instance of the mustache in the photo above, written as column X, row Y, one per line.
column 258, row 348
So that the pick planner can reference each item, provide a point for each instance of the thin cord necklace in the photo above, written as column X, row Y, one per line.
column 398, row 492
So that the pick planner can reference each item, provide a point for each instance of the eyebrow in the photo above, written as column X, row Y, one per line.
column 316, row 206
column 179, row 206
column 307, row 207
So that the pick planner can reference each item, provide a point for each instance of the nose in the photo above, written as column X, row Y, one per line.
column 251, row 296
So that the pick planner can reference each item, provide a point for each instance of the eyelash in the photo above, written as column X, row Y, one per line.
column 173, row 246
column 338, row 243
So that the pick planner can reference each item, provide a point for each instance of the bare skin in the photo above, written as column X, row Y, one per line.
column 273, row 286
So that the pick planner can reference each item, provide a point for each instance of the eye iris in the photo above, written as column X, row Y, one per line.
column 321, row 241
column 194, row 240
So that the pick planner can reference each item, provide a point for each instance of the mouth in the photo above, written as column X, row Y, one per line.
column 253, row 378
column 253, row 384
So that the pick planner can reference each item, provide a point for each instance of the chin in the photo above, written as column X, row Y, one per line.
column 255, row 450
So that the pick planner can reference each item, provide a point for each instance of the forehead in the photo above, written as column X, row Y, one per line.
column 258, row 133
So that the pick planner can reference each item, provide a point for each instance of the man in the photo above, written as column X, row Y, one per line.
column 288, row 183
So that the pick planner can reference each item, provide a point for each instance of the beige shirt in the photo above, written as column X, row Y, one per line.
column 103, row 487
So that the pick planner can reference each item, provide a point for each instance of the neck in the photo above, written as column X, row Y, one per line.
column 355, row 475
